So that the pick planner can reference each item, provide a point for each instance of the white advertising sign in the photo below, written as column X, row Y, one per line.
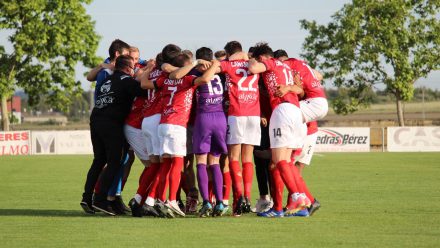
column 343, row 139
column 74, row 142
column 62, row 142
column 15, row 143
column 43, row 142
column 413, row 139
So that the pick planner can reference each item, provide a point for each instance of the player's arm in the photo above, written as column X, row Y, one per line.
column 139, row 73
column 318, row 75
column 168, row 68
column 183, row 71
column 284, row 89
column 256, row 67
column 146, row 83
column 92, row 75
column 208, row 74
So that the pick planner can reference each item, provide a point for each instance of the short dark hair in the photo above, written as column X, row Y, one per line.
column 262, row 48
column 169, row 52
column 280, row 53
column 159, row 60
column 204, row 53
column 220, row 54
column 251, row 49
column 233, row 47
column 123, row 62
column 180, row 59
column 117, row 46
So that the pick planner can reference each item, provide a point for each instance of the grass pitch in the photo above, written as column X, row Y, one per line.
column 368, row 200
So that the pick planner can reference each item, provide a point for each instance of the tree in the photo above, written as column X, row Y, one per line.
column 48, row 38
column 370, row 42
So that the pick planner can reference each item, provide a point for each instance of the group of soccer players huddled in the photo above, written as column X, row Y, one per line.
column 225, row 112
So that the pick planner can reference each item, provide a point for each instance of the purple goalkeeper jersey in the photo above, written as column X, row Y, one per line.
column 210, row 96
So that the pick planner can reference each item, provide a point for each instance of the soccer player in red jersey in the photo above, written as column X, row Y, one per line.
column 243, row 124
column 177, row 100
column 149, row 178
column 286, row 127
column 314, row 105
column 302, row 158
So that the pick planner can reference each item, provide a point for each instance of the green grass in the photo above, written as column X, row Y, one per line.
column 368, row 200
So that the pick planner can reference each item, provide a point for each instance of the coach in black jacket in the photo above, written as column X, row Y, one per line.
column 112, row 105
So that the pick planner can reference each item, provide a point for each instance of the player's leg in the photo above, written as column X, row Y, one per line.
column 277, row 187
column 202, row 179
column 304, row 159
column 217, row 180
column 262, row 162
column 248, row 173
column 262, row 159
column 283, row 138
column 252, row 138
column 175, row 146
column 114, row 140
column 99, row 161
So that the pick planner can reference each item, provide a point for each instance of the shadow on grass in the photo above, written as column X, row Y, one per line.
column 44, row 213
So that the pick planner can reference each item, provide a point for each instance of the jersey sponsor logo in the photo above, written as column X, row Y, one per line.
column 124, row 77
column 104, row 101
column 214, row 101
column 169, row 111
column 105, row 87
column 332, row 137
column 247, row 98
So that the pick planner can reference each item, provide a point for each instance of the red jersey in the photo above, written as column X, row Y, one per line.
column 152, row 104
column 136, row 115
column 177, row 97
column 266, row 110
column 278, row 74
column 243, row 88
column 311, row 85
column 312, row 127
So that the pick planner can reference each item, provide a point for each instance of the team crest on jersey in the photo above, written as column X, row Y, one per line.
column 105, row 87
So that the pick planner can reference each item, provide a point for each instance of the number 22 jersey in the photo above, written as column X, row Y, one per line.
column 243, row 88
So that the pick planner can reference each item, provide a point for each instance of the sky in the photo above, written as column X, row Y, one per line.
column 150, row 25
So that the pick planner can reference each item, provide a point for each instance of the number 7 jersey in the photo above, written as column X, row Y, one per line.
column 177, row 95
column 243, row 88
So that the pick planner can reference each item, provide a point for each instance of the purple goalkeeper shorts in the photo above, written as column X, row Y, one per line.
column 209, row 134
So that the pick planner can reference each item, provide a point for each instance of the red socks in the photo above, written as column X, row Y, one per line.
column 276, row 189
column 287, row 176
column 236, row 176
column 163, row 179
column 226, row 185
column 175, row 174
column 248, row 175
column 147, row 178
column 302, row 187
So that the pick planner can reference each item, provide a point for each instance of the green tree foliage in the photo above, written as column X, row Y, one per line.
column 369, row 42
column 49, row 37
